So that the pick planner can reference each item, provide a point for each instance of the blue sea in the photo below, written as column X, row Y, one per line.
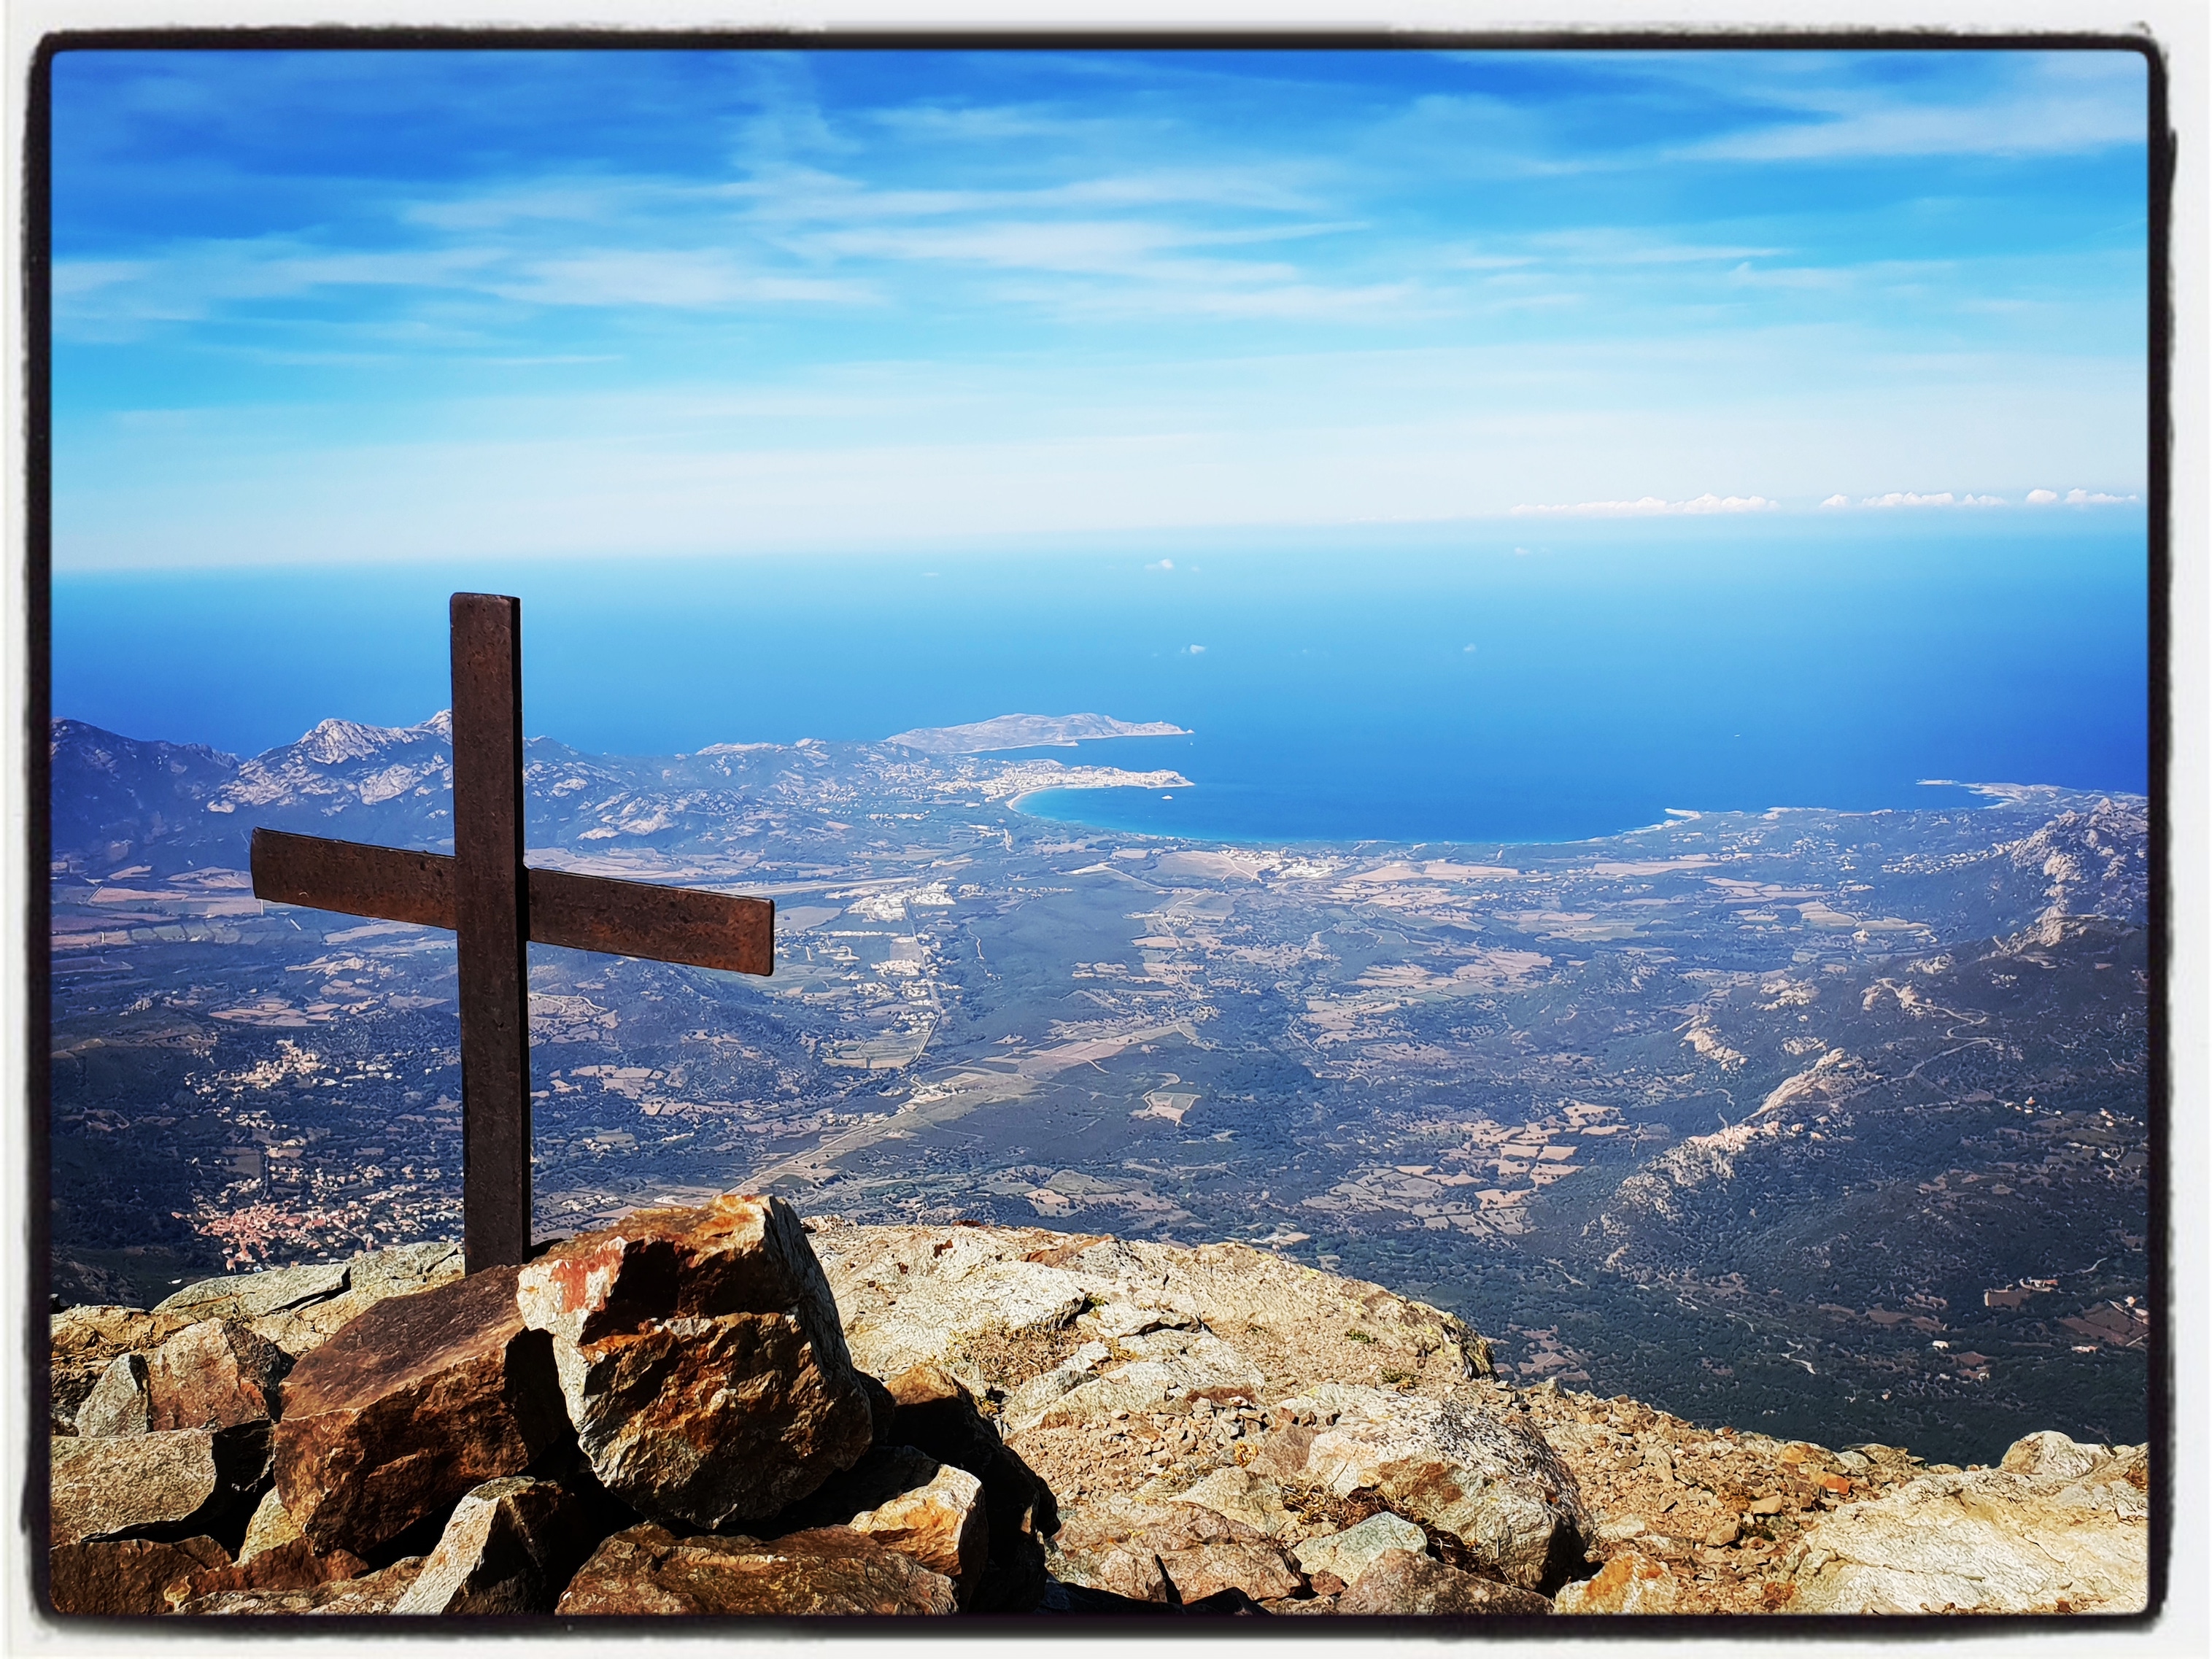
column 1500, row 681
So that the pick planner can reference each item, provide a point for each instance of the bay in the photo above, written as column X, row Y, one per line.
column 1499, row 681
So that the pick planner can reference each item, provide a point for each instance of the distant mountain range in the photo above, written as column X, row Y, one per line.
column 1796, row 1119
column 118, row 800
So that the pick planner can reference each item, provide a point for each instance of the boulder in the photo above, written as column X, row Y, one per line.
column 1133, row 1573
column 249, row 1296
column 1494, row 1485
column 1169, row 1552
column 173, row 1484
column 1346, row 1554
column 2048, row 1452
column 511, row 1546
column 416, row 1401
column 1630, row 1582
column 882, row 1474
column 1165, row 1369
column 917, row 1294
column 212, row 1374
column 1243, row 1495
column 294, row 1565
column 270, row 1524
column 701, row 1360
column 936, row 1413
column 2060, row 1527
column 1400, row 1582
column 827, row 1570
column 400, row 1271
column 371, row 1593
column 118, row 1403
column 127, row 1578
column 1206, row 1570
column 967, row 1294
column 942, row 1524
column 85, row 1341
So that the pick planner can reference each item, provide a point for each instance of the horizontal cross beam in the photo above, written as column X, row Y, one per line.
column 579, row 912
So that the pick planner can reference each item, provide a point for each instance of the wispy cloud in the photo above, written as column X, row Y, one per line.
column 697, row 279
column 1649, row 506
column 2050, row 104
column 673, row 302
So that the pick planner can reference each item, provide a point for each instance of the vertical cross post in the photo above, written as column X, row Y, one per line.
column 492, row 917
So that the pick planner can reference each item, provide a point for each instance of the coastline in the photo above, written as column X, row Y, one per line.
column 1990, row 797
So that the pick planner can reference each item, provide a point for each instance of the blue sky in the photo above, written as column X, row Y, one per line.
column 340, row 306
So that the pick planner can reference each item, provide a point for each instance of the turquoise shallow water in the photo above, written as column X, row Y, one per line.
column 1489, row 682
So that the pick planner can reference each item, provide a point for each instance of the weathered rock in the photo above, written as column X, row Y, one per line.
column 169, row 1486
column 212, row 1374
column 969, row 1294
column 2048, row 1452
column 1124, row 1547
column 1158, row 1370
column 85, row 1341
column 118, row 1403
column 1127, row 1570
column 828, row 1569
column 1257, row 1570
column 882, row 1474
column 917, row 1294
column 701, row 1358
column 1346, row 1554
column 511, row 1547
column 2063, row 1527
column 1399, row 1582
column 416, row 1401
column 1630, row 1582
column 943, row 1523
column 1283, row 1453
column 400, row 1271
column 270, row 1524
column 249, row 1296
column 1243, row 1495
column 127, row 1578
column 371, row 1593
column 1494, row 1485
column 289, row 1566
column 1721, row 1536
column 937, row 1413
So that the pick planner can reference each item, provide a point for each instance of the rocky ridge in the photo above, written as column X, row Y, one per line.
column 967, row 1419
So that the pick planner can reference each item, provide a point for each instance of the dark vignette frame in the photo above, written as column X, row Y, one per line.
column 37, row 391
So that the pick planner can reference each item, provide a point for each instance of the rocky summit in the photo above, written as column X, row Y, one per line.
column 726, row 1410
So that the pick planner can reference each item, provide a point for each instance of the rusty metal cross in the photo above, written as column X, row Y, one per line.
column 496, row 905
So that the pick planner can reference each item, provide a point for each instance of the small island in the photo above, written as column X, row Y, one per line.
column 1028, row 732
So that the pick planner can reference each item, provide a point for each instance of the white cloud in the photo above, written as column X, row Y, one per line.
column 1938, row 498
column 1196, row 650
column 1163, row 564
column 2077, row 498
column 1647, row 505
column 1837, row 500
